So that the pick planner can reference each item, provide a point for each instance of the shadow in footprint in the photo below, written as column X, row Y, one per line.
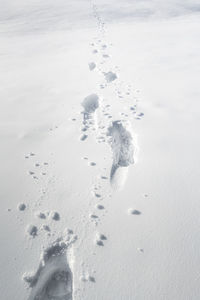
column 53, row 279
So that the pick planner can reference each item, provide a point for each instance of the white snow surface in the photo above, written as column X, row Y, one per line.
column 139, row 242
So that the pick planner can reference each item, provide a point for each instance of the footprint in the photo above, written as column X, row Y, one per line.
column 21, row 206
column 93, row 216
column 97, row 195
column 87, row 277
column 100, row 238
column 53, row 279
column 110, row 76
column 99, row 243
column 31, row 172
column 32, row 230
column 134, row 212
column 40, row 215
column 83, row 137
column 92, row 66
column 90, row 104
column 46, row 228
column 104, row 177
column 102, row 86
column 99, row 206
column 54, row 215
column 123, row 151
column 140, row 250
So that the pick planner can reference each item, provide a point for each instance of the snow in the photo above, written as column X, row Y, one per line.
column 71, row 72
